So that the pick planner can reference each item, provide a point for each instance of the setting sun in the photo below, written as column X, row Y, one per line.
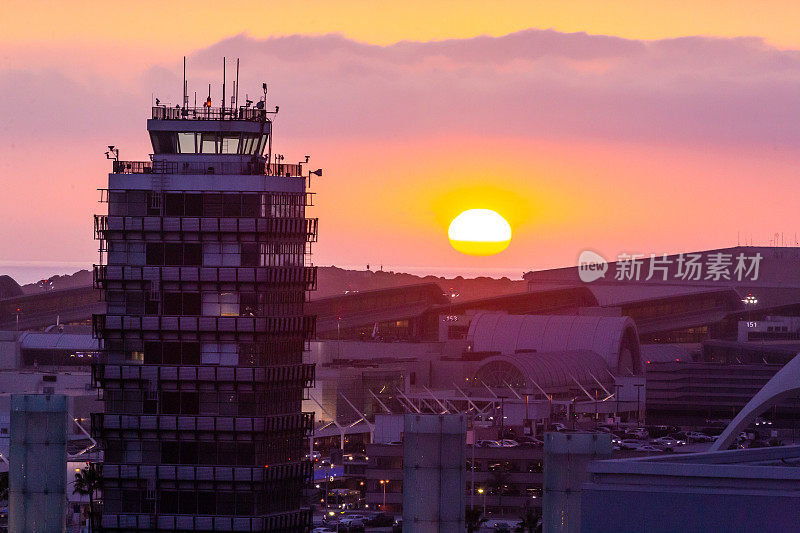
column 479, row 232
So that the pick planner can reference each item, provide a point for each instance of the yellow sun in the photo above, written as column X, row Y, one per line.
column 479, row 232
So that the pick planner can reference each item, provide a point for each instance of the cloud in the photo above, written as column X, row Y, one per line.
column 535, row 83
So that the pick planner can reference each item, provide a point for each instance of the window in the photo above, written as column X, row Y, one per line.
column 168, row 502
column 213, row 353
column 221, row 254
column 154, row 253
column 230, row 144
column 186, row 143
column 163, row 142
column 220, row 304
column 173, row 204
column 193, row 205
column 231, row 205
column 209, row 143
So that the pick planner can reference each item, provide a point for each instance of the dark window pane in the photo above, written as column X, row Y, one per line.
column 190, row 403
column 192, row 254
column 207, row 453
column 154, row 253
column 244, row 503
column 206, row 502
column 170, row 403
column 225, row 503
column 250, row 254
column 168, row 502
column 171, row 303
column 212, row 205
column 172, row 353
column 193, row 205
column 173, row 253
column 188, row 502
column 191, row 303
column 188, row 453
column 169, row 452
column 191, row 353
column 173, row 204
column 251, row 205
column 232, row 205
column 164, row 142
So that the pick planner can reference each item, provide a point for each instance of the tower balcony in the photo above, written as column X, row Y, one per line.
column 247, row 114
column 120, row 326
column 118, row 277
column 197, row 167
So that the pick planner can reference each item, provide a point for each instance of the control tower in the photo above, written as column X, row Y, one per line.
column 204, row 269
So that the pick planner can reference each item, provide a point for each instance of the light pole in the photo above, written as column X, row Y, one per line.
column 481, row 491
column 638, row 403
column 384, row 482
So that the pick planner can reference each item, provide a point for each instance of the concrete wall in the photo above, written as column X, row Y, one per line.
column 434, row 462
column 37, row 475
column 566, row 456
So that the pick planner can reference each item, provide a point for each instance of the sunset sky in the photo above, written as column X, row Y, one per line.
column 658, row 126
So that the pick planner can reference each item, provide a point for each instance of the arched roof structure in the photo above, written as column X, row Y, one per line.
column 785, row 384
column 614, row 339
column 547, row 370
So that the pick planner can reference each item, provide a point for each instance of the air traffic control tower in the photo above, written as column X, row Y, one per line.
column 204, row 269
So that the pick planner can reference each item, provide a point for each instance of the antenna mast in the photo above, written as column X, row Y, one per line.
column 223, row 86
column 185, row 86
column 236, row 87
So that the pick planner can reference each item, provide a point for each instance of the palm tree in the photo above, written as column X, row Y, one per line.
column 86, row 483
column 529, row 522
column 474, row 519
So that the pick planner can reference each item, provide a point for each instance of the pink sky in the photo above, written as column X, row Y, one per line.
column 580, row 141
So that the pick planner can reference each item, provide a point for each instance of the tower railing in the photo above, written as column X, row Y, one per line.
column 249, row 114
column 185, row 167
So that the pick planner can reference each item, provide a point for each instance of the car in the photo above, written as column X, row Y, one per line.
column 530, row 442
column 629, row 444
column 697, row 437
column 649, row 448
column 351, row 524
column 639, row 433
column 509, row 443
column 667, row 442
column 323, row 529
column 558, row 426
column 488, row 444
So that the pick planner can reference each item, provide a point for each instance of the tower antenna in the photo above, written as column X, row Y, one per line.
column 223, row 87
column 236, row 87
column 185, row 87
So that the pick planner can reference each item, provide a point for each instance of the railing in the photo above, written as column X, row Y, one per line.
column 119, row 376
column 267, row 228
column 248, row 114
column 285, row 276
column 284, row 327
column 113, row 425
column 257, row 168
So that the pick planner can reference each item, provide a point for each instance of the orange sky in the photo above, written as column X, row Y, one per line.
column 579, row 141
column 176, row 26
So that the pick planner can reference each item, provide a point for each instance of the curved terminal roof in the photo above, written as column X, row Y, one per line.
column 59, row 341
column 608, row 337
column 547, row 370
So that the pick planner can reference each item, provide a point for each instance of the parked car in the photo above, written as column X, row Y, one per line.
column 530, row 442
column 488, row 444
column 629, row 444
column 351, row 524
column 314, row 456
column 639, row 433
column 558, row 426
column 697, row 437
column 667, row 442
column 649, row 448
column 509, row 443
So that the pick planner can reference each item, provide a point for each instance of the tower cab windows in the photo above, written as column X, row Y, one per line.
column 170, row 142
